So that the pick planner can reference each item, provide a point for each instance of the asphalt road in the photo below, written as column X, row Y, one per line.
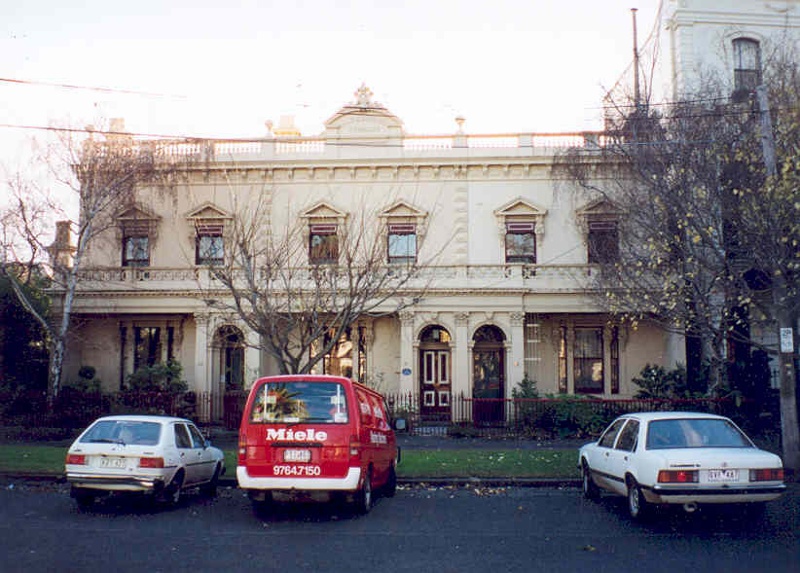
column 437, row 529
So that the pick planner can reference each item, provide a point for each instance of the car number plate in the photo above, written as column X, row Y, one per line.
column 297, row 456
column 721, row 476
column 113, row 462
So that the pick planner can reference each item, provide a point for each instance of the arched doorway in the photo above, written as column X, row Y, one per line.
column 434, row 368
column 488, row 375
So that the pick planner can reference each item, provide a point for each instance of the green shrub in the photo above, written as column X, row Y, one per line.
column 160, row 377
column 656, row 382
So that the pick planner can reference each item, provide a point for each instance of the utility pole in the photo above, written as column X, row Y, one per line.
column 790, row 429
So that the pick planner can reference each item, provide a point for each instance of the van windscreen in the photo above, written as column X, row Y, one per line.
column 300, row 402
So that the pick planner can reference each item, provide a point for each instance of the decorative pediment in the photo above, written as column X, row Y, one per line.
column 401, row 209
column 136, row 213
column 208, row 212
column 363, row 119
column 137, row 220
column 519, row 210
column 600, row 208
column 323, row 210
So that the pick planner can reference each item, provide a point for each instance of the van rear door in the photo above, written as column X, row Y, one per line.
column 298, row 428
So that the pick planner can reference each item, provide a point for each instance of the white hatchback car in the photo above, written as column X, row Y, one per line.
column 679, row 458
column 155, row 455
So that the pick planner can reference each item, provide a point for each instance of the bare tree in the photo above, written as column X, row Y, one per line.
column 709, row 232
column 100, row 173
column 300, row 308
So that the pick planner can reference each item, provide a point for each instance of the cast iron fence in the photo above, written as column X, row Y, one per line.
column 563, row 416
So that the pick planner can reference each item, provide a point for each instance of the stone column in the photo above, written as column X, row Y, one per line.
column 408, row 366
column 252, row 358
column 516, row 359
column 202, row 357
column 462, row 378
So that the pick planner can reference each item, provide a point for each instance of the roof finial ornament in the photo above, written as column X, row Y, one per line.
column 363, row 96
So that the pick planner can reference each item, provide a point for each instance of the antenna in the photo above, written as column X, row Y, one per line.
column 636, row 93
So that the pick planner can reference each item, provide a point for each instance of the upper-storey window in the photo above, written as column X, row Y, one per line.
column 138, row 229
column 209, row 224
column 520, row 242
column 209, row 245
column 746, row 64
column 603, row 242
column 402, row 243
column 323, row 244
column 135, row 250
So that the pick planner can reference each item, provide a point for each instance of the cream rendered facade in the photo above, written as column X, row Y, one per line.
column 463, row 194
column 694, row 41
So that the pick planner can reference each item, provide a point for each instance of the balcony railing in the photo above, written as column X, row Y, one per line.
column 512, row 277
column 276, row 147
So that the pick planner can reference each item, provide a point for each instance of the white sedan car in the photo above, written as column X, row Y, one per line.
column 156, row 455
column 679, row 458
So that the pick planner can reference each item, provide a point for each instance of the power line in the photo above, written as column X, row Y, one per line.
column 89, row 88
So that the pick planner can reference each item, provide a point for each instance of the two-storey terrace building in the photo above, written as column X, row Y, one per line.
column 506, row 246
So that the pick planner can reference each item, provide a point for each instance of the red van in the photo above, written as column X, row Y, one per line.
column 311, row 437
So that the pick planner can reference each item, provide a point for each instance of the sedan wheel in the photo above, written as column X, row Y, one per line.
column 638, row 507
column 590, row 489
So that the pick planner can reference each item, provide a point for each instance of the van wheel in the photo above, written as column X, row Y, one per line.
column 363, row 498
column 391, row 483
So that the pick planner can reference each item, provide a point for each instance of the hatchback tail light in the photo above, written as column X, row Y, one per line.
column 151, row 462
column 767, row 474
column 678, row 476
column 76, row 459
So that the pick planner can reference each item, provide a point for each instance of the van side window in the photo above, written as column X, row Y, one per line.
column 365, row 410
column 379, row 412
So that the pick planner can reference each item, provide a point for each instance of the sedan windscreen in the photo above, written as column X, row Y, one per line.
column 300, row 402
column 695, row 433
column 125, row 432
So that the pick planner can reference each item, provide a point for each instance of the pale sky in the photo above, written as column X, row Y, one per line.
column 221, row 69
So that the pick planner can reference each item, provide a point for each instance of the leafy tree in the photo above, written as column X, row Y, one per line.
column 23, row 346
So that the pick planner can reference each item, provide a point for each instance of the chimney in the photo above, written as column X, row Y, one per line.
column 61, row 250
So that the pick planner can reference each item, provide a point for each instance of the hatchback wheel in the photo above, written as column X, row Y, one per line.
column 172, row 494
column 210, row 489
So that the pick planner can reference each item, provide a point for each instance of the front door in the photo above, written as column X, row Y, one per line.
column 435, row 385
column 488, row 386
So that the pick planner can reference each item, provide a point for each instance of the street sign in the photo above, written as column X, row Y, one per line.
column 787, row 341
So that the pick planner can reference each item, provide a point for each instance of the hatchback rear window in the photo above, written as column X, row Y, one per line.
column 298, row 402
column 126, row 432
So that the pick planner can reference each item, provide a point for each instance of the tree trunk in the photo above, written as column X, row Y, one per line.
column 55, row 367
